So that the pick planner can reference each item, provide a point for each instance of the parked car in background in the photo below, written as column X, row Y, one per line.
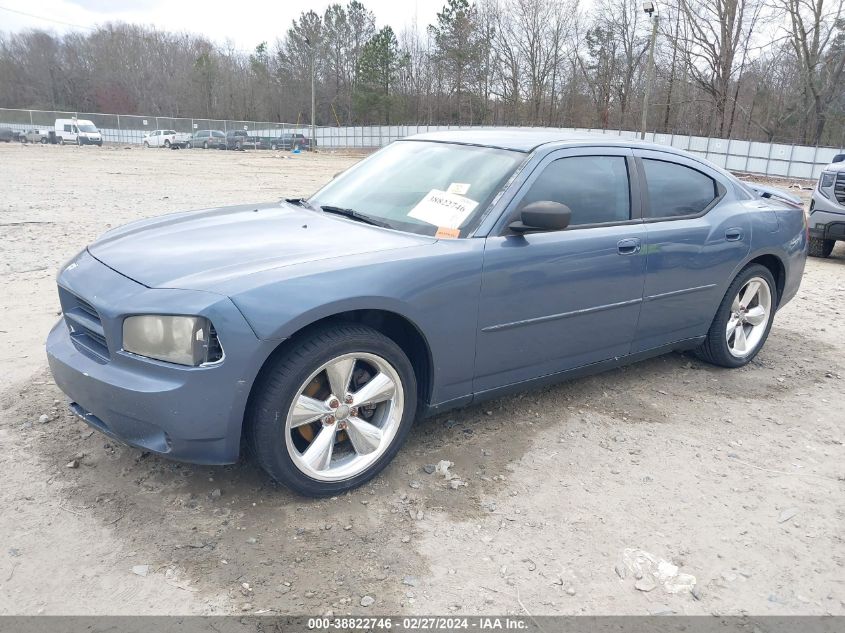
column 443, row 270
column 208, row 139
column 166, row 138
column 39, row 135
column 7, row 134
column 827, row 209
column 288, row 142
column 78, row 132
column 240, row 139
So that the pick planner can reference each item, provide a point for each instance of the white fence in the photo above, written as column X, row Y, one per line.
column 769, row 159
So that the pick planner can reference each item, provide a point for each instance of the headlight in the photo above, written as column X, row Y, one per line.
column 826, row 183
column 185, row 340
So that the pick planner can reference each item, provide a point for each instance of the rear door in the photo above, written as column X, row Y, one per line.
column 697, row 234
column 558, row 300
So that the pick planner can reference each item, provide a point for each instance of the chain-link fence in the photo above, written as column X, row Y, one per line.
column 768, row 159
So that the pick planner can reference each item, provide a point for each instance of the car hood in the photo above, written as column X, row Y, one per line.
column 201, row 249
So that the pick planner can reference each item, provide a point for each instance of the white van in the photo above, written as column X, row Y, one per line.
column 78, row 131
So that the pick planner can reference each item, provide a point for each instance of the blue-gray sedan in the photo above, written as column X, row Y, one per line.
column 440, row 271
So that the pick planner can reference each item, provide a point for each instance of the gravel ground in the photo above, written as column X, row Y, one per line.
column 734, row 477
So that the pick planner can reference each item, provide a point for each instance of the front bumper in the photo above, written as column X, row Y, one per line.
column 827, row 218
column 192, row 414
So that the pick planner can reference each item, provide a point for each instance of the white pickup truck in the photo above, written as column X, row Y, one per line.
column 166, row 138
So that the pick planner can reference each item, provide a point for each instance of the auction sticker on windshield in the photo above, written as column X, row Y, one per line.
column 443, row 209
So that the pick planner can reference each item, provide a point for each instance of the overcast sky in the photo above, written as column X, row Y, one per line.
column 245, row 22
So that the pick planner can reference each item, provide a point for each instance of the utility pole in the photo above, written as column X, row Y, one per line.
column 313, row 94
column 648, row 7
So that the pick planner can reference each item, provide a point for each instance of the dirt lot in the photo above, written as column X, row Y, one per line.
column 734, row 476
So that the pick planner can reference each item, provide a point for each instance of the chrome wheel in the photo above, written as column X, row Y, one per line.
column 344, row 417
column 749, row 318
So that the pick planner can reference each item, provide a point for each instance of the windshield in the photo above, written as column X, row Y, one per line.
column 87, row 128
column 423, row 187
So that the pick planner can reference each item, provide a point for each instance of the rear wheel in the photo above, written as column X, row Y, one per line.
column 820, row 247
column 43, row 140
column 205, row 145
column 333, row 411
column 743, row 320
column 61, row 140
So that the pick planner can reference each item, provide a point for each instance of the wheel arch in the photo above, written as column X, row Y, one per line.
column 769, row 259
column 397, row 327
column 775, row 266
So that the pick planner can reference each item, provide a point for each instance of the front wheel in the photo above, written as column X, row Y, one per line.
column 205, row 145
column 743, row 320
column 820, row 247
column 333, row 411
column 167, row 144
column 43, row 140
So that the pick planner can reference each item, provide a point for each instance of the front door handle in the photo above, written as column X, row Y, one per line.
column 629, row 246
column 733, row 235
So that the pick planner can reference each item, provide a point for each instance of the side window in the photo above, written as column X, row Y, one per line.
column 596, row 188
column 675, row 190
column 67, row 128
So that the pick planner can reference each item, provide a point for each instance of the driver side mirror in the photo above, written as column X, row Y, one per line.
column 542, row 216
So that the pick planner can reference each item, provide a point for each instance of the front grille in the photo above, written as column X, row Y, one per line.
column 84, row 323
column 839, row 188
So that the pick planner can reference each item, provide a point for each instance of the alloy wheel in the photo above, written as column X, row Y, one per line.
column 749, row 318
column 344, row 417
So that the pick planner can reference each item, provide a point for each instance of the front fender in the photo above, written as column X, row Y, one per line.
column 435, row 287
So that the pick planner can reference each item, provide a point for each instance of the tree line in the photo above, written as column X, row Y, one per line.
column 770, row 70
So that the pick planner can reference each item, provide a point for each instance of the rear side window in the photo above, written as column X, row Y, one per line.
column 596, row 188
column 676, row 190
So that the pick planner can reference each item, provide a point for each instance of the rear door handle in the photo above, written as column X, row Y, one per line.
column 733, row 235
column 629, row 246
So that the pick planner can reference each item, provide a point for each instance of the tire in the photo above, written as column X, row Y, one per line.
column 717, row 348
column 237, row 146
column 205, row 145
column 167, row 143
column 279, row 449
column 188, row 145
column 43, row 140
column 273, row 146
column 820, row 247
column 61, row 140
column 23, row 140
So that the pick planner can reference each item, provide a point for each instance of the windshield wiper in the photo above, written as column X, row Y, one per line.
column 355, row 215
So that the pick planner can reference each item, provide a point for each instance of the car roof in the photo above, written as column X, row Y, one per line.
column 529, row 139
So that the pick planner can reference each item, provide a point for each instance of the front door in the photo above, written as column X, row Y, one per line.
column 559, row 300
